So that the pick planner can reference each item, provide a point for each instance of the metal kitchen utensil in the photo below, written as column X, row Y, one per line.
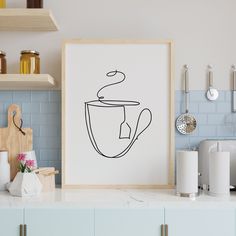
column 234, row 89
column 186, row 123
column 212, row 93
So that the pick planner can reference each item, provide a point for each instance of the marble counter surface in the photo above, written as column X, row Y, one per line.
column 114, row 198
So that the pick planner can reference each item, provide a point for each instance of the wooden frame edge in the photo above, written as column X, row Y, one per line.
column 63, row 116
column 172, row 118
column 119, row 187
column 171, row 175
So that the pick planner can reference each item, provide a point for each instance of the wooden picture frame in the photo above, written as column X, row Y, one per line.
column 85, row 164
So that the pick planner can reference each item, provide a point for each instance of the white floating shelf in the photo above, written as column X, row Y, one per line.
column 26, row 82
column 27, row 20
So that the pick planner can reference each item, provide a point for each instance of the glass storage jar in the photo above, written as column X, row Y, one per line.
column 2, row 3
column 29, row 62
column 34, row 3
column 3, row 63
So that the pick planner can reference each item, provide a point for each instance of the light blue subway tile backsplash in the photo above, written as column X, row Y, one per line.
column 36, row 130
column 221, row 96
column 50, row 130
column 207, row 130
column 1, row 108
column 201, row 119
column 194, row 142
column 45, row 119
column 6, row 104
column 193, row 107
column 5, row 96
column 207, row 107
column 225, row 131
column 31, row 107
column 40, row 96
column 54, row 96
column 50, row 108
column 228, row 97
column 41, row 112
column 214, row 119
column 27, row 120
column 21, row 96
column 178, row 96
column 224, row 107
column 197, row 96
column 54, row 154
column 3, row 120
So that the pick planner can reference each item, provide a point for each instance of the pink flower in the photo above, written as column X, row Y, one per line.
column 29, row 163
column 21, row 157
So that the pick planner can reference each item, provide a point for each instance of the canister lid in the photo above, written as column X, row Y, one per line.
column 30, row 52
column 2, row 53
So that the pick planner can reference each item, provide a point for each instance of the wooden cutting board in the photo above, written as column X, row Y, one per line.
column 12, row 139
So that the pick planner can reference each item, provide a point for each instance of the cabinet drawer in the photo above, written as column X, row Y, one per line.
column 128, row 222
column 10, row 220
column 59, row 221
column 200, row 221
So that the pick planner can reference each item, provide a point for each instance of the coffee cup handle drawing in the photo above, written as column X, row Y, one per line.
column 143, row 121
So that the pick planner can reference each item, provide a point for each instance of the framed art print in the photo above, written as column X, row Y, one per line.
column 117, row 114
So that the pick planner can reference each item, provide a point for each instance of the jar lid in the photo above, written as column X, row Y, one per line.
column 29, row 52
column 2, row 53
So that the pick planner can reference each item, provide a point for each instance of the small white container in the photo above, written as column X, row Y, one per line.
column 187, row 173
column 4, row 170
column 219, row 173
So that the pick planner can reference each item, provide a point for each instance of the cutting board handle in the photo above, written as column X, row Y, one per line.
column 14, row 109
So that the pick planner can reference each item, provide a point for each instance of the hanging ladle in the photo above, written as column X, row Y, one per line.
column 212, row 93
column 186, row 123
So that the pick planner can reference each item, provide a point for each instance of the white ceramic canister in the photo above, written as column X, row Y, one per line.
column 219, row 173
column 4, row 170
column 30, row 155
column 187, row 173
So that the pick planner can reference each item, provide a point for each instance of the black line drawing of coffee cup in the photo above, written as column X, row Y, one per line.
column 112, row 114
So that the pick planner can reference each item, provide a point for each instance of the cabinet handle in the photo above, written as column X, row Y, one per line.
column 162, row 230
column 21, row 230
column 166, row 230
column 25, row 230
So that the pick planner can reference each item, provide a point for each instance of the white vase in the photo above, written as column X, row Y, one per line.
column 4, row 170
column 25, row 184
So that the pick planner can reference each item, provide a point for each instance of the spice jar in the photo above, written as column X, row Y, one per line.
column 34, row 3
column 3, row 63
column 29, row 62
column 2, row 3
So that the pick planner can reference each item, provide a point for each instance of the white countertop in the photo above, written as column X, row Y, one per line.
column 114, row 198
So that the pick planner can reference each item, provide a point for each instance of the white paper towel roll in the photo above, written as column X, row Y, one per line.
column 219, row 173
column 187, row 173
column 4, row 170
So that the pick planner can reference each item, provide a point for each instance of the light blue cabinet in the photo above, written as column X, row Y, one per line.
column 10, row 221
column 73, row 221
column 59, row 221
column 200, row 221
column 128, row 222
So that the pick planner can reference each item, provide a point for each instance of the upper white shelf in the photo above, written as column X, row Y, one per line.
column 27, row 20
column 26, row 82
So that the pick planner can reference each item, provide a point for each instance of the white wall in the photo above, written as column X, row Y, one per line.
column 204, row 32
